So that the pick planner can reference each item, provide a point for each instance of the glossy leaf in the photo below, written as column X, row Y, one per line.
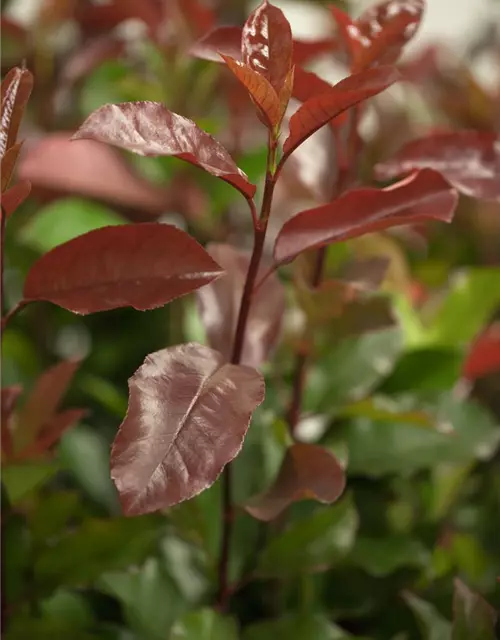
column 43, row 401
column 16, row 90
column 219, row 305
column 469, row 160
column 187, row 418
column 15, row 196
column 149, row 129
column 260, row 90
column 89, row 169
column 380, row 33
column 205, row 624
column 142, row 266
column 473, row 617
column 320, row 109
column 311, row 545
column 307, row 472
column 419, row 198
column 484, row 355
column 266, row 44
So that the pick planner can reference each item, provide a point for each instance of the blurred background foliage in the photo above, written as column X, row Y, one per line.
column 423, row 499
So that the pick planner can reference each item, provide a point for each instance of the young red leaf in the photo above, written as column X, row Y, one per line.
column 307, row 472
column 9, row 399
column 221, row 40
column 266, row 44
column 469, row 160
column 138, row 265
column 52, row 432
column 89, row 169
column 16, row 90
column 261, row 92
column 187, row 417
column 484, row 355
column 15, row 196
column 320, row 109
column 380, row 33
column 418, row 198
column 219, row 304
column 43, row 401
column 307, row 84
column 149, row 129
column 8, row 164
column 305, row 50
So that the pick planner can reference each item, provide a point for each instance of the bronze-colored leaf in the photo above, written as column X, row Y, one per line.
column 16, row 90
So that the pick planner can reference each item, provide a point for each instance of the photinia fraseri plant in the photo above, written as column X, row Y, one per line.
column 190, row 406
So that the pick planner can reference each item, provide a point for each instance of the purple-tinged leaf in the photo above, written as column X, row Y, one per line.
column 219, row 304
column 138, row 265
column 52, row 432
column 421, row 197
column 224, row 40
column 8, row 165
column 149, row 129
column 16, row 90
column 320, row 109
column 267, row 45
column 15, row 196
column 469, row 160
column 187, row 417
column 308, row 472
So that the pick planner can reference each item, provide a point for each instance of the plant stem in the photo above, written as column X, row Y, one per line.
column 260, row 228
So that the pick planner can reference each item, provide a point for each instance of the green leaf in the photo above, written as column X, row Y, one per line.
column 387, row 409
column 205, row 624
column 16, row 556
column 85, row 454
column 382, row 556
column 473, row 297
column 432, row 625
column 20, row 479
column 24, row 628
column 350, row 370
column 80, row 557
column 378, row 447
column 103, row 86
column 65, row 219
column 473, row 617
column 51, row 514
column 67, row 607
column 296, row 627
column 150, row 599
column 312, row 544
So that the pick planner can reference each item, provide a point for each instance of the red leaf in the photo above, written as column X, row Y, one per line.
column 266, row 44
column 484, row 355
column 87, row 57
column 198, row 15
column 16, row 90
column 187, row 417
column 469, row 160
column 219, row 305
column 53, row 431
column 418, row 198
column 90, row 169
column 307, row 84
column 380, row 33
column 9, row 399
column 320, row 109
column 261, row 92
column 305, row 50
column 149, row 129
column 225, row 40
column 15, row 196
column 138, row 265
column 307, row 472
column 43, row 401
column 8, row 164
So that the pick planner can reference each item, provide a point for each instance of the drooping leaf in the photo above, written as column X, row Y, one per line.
column 219, row 305
column 262, row 93
column 380, row 33
column 266, row 44
column 43, row 401
column 149, row 129
column 320, row 109
column 16, row 90
column 187, row 418
column 469, row 160
column 420, row 197
column 307, row 472
column 484, row 355
column 15, row 196
column 312, row 544
column 89, row 169
column 143, row 266
column 473, row 617
column 205, row 624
